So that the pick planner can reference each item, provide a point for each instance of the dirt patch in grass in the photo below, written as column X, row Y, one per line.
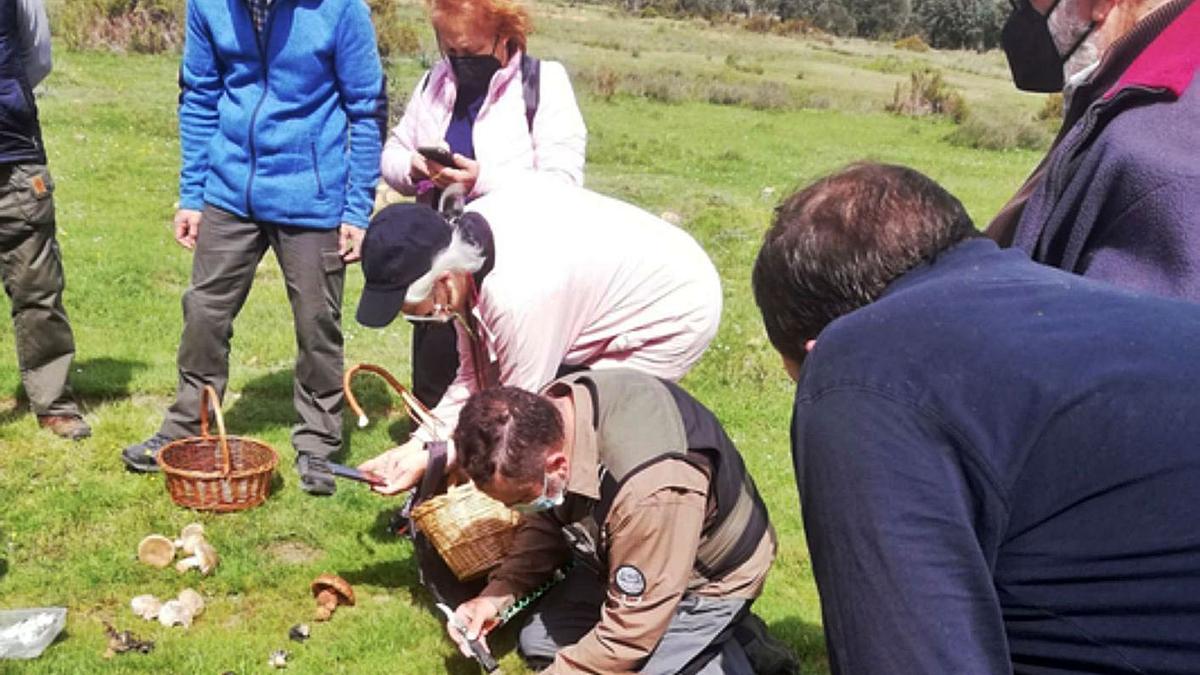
column 293, row 552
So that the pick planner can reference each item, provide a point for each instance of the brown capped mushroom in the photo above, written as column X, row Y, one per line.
column 156, row 551
column 331, row 591
column 205, row 558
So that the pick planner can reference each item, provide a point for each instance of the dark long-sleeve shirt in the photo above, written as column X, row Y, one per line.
column 999, row 467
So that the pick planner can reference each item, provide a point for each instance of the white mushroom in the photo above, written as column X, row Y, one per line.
column 146, row 606
column 191, row 601
column 189, row 538
column 156, row 551
column 173, row 612
column 204, row 559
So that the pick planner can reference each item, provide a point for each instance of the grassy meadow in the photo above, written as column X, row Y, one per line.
column 71, row 517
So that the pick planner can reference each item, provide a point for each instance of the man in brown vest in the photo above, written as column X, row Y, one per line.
column 635, row 481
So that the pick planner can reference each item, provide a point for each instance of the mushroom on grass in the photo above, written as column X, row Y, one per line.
column 156, row 551
column 146, row 606
column 331, row 591
column 191, row 601
column 190, row 538
column 173, row 612
column 204, row 558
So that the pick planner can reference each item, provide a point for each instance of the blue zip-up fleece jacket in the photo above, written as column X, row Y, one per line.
column 285, row 126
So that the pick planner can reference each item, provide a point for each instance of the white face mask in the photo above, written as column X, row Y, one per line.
column 543, row 502
column 1067, row 26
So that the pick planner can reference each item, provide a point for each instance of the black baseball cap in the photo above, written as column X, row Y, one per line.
column 398, row 249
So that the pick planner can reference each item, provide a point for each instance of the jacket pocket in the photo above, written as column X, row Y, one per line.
column 312, row 149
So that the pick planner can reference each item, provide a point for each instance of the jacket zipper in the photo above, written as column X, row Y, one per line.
column 312, row 148
column 259, row 38
column 1055, row 174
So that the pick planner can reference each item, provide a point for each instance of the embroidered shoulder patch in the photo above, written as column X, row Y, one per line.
column 629, row 580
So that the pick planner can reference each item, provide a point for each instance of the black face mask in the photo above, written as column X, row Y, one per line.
column 474, row 73
column 1033, row 56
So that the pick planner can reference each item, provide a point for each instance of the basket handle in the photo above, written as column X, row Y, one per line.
column 412, row 404
column 207, row 397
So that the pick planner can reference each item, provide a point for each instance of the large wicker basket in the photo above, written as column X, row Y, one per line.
column 471, row 531
column 226, row 473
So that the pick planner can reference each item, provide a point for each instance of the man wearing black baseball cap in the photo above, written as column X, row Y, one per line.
column 539, row 279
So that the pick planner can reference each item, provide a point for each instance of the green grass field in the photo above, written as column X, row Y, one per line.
column 71, row 517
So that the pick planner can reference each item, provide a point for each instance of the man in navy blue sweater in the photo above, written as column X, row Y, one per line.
column 998, row 461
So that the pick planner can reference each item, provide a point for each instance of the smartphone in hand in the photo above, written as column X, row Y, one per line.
column 440, row 154
column 343, row 471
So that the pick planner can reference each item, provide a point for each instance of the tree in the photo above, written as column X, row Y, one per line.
column 958, row 24
column 878, row 18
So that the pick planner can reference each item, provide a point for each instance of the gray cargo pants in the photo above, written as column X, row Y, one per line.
column 31, row 265
column 696, row 640
column 228, row 250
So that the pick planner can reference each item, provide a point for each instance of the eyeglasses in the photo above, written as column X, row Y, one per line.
column 442, row 314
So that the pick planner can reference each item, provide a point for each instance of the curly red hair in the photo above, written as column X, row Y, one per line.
column 510, row 18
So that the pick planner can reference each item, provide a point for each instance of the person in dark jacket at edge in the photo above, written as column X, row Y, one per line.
column 997, row 460
column 1116, row 197
column 30, row 261
column 281, row 119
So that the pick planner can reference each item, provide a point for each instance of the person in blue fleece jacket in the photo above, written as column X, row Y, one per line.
column 282, row 113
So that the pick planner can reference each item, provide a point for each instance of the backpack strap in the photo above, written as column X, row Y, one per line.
column 531, row 80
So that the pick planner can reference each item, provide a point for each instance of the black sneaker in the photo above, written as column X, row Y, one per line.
column 767, row 655
column 316, row 478
column 140, row 457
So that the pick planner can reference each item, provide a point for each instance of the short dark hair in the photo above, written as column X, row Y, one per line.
column 506, row 430
column 835, row 245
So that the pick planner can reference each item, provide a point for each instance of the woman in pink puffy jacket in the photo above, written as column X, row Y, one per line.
column 500, row 112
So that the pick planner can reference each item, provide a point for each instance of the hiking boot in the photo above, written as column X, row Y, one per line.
column 316, row 478
column 767, row 655
column 140, row 457
column 71, row 427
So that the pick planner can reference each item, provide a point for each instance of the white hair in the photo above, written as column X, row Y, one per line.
column 458, row 255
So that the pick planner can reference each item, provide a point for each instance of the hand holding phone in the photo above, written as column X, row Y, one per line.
column 440, row 154
column 343, row 471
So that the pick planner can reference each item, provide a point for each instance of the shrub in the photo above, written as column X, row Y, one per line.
column 1000, row 134
column 606, row 82
column 797, row 27
column 395, row 35
column 141, row 26
column 1052, row 109
column 760, row 23
column 928, row 94
column 912, row 43
column 732, row 61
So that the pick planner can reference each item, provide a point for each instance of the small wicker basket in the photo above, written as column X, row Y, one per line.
column 471, row 531
column 226, row 473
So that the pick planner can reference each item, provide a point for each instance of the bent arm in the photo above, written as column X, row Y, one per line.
column 402, row 141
